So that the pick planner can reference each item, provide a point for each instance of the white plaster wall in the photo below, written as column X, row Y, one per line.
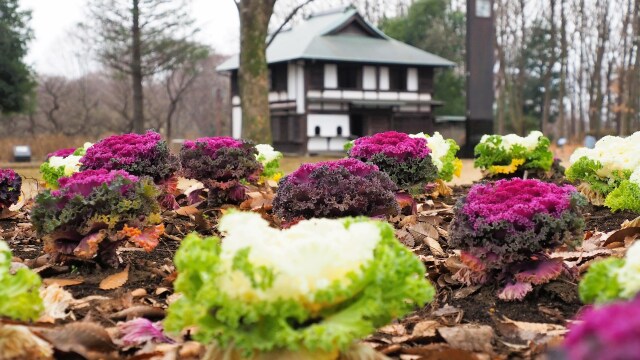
column 291, row 80
column 328, row 124
column 236, row 122
column 384, row 78
column 337, row 143
column 412, row 79
column 369, row 78
column 300, row 100
column 317, row 144
column 330, row 76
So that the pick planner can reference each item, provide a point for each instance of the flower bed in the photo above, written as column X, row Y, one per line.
column 222, row 164
column 94, row 212
column 346, row 187
column 506, row 228
column 405, row 159
column 610, row 172
column 10, row 186
column 62, row 163
column 139, row 155
column 443, row 155
column 312, row 289
column 511, row 154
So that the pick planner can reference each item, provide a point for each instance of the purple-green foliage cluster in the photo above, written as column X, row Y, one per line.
column 86, row 215
column 610, row 332
column 10, row 186
column 222, row 164
column 61, row 153
column 405, row 159
column 139, row 155
column 332, row 189
column 505, row 230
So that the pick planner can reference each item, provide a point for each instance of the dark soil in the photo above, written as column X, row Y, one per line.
column 602, row 219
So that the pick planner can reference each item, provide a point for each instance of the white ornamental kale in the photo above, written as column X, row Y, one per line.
column 267, row 154
column 314, row 288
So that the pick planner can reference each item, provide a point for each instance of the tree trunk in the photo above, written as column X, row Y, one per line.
column 563, row 70
column 136, row 71
column 546, row 107
column 253, row 70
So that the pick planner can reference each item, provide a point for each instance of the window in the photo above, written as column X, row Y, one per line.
column 278, row 77
column 349, row 76
column 317, row 131
column 339, row 130
column 397, row 78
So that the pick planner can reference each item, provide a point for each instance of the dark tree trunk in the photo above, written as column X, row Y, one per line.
column 253, row 71
column 136, row 71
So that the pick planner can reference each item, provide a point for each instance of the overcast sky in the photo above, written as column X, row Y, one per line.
column 53, row 19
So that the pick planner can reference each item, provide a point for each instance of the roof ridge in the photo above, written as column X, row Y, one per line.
column 337, row 10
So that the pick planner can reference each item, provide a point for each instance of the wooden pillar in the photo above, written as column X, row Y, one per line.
column 479, row 71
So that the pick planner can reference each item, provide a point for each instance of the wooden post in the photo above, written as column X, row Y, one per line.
column 479, row 71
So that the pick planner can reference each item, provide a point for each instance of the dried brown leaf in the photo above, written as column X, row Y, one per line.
column 116, row 280
column 631, row 223
column 87, row 339
column 469, row 337
column 434, row 246
column 63, row 282
column 187, row 210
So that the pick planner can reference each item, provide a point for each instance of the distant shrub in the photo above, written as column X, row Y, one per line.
column 332, row 189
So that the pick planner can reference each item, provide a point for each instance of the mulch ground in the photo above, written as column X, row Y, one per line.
column 463, row 322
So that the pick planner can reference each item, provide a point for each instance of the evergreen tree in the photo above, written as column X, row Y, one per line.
column 16, row 79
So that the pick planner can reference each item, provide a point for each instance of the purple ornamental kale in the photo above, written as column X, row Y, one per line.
column 610, row 332
column 10, row 186
column 221, row 164
column 61, row 153
column 405, row 159
column 506, row 229
column 95, row 211
column 140, row 155
column 332, row 189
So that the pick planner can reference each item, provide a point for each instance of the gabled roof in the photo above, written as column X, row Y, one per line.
column 320, row 37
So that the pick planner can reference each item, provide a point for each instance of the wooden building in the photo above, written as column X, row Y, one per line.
column 335, row 77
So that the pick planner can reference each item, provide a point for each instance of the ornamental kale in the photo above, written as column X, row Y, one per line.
column 346, row 187
column 10, row 186
column 607, row 167
column 94, row 212
column 19, row 294
column 312, row 289
column 222, row 164
column 270, row 160
column 610, row 332
column 505, row 230
column 62, row 163
column 139, row 155
column 405, row 159
column 509, row 154
column 612, row 279
column 443, row 154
